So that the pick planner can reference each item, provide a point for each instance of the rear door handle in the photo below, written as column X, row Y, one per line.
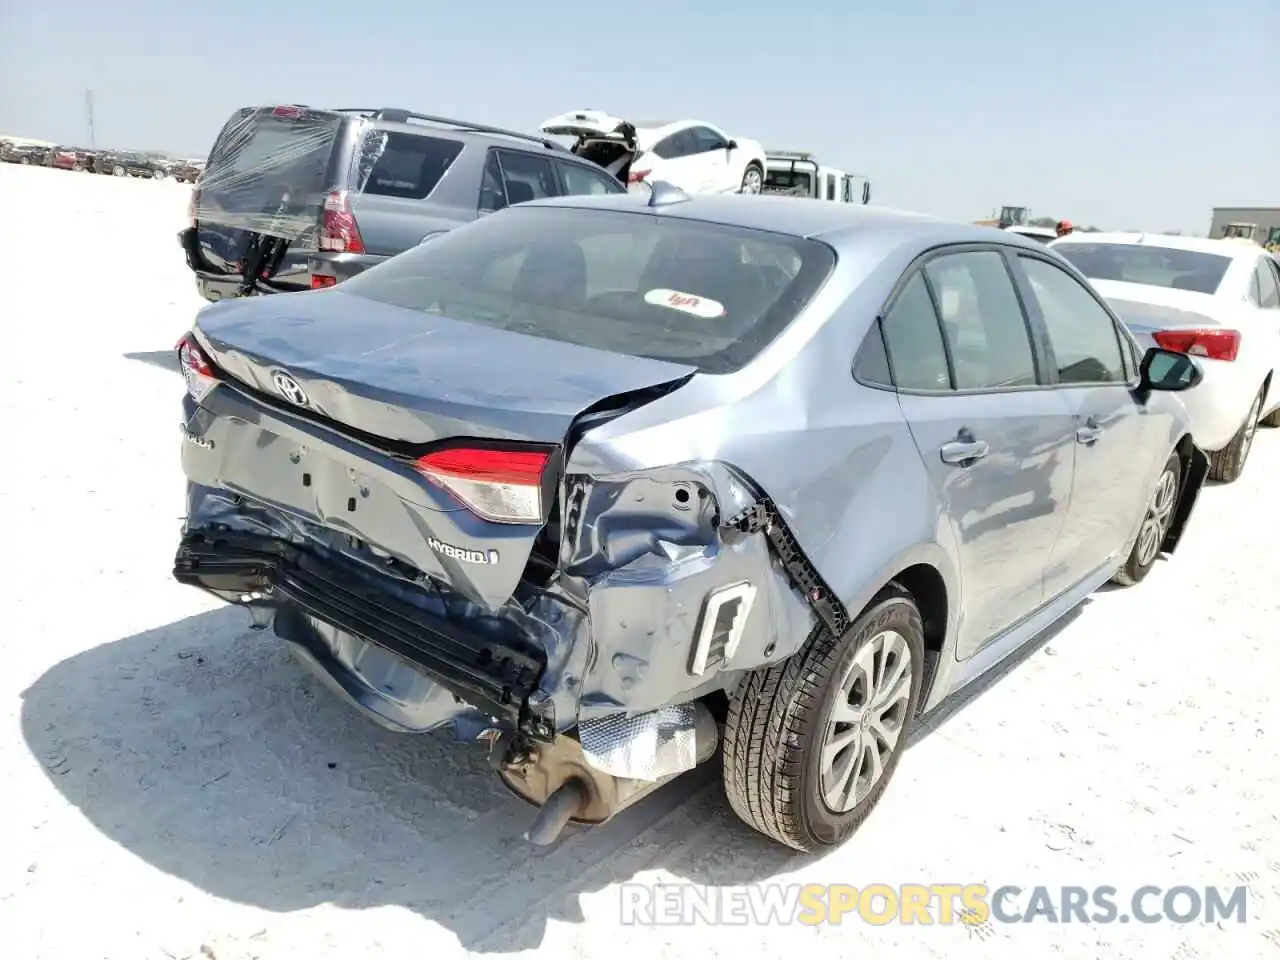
column 1089, row 433
column 964, row 452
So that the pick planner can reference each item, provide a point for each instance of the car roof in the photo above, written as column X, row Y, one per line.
column 1223, row 248
column 802, row 217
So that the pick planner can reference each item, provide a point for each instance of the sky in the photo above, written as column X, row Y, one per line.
column 1125, row 114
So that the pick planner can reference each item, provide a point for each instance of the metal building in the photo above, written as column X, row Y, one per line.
column 1260, row 224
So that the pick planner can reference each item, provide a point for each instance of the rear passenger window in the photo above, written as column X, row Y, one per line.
column 527, row 177
column 1268, row 292
column 982, row 321
column 1084, row 340
column 405, row 165
column 578, row 180
column 913, row 341
column 872, row 363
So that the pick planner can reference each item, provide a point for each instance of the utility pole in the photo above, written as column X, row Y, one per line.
column 88, row 111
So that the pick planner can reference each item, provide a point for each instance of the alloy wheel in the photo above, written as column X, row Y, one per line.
column 866, row 721
column 1156, row 523
column 751, row 181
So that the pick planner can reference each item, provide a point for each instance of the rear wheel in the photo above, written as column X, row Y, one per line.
column 118, row 170
column 1155, row 526
column 1227, row 464
column 158, row 174
column 752, row 179
column 811, row 743
column 26, row 161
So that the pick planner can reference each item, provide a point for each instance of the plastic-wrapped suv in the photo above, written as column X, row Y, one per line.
column 294, row 197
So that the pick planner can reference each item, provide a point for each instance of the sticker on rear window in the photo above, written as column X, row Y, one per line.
column 703, row 307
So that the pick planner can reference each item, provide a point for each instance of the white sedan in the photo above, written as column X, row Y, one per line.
column 696, row 156
column 1216, row 300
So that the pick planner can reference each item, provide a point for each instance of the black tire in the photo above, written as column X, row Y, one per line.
column 1272, row 419
column 1226, row 465
column 752, row 179
column 777, row 722
column 1159, row 514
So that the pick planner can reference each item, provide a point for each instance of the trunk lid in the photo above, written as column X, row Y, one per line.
column 266, row 177
column 587, row 124
column 414, row 377
column 605, row 140
column 382, row 390
column 1144, row 319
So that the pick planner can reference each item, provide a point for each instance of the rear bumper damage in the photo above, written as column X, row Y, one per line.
column 660, row 628
column 495, row 672
column 279, row 271
column 585, row 680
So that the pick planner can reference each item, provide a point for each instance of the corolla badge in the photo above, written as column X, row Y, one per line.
column 289, row 388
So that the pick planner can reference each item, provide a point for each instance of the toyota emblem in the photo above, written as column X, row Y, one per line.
column 289, row 388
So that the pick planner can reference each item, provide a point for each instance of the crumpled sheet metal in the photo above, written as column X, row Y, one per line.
column 648, row 746
column 269, row 174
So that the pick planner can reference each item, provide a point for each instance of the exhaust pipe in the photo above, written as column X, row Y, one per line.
column 606, row 768
column 554, row 816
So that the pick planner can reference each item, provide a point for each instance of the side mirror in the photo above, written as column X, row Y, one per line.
column 1168, row 371
column 731, row 145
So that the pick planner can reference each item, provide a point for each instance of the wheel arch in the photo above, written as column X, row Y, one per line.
column 1195, row 468
column 928, row 589
column 926, row 573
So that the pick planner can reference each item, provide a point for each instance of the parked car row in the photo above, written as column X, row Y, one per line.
column 616, row 480
column 118, row 163
column 296, row 197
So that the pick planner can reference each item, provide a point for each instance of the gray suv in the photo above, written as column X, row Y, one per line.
column 294, row 197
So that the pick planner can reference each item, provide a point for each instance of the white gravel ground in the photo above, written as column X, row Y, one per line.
column 175, row 787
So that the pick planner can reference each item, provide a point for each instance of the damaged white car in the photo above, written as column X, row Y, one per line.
column 696, row 156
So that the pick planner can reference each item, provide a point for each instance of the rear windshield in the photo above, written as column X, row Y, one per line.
column 292, row 149
column 1153, row 266
column 707, row 295
column 407, row 165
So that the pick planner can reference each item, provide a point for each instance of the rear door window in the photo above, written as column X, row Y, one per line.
column 526, row 177
column 982, row 321
column 708, row 295
column 406, row 165
column 579, row 180
column 913, row 340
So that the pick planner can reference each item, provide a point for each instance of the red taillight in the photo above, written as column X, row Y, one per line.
column 287, row 112
column 504, row 486
column 196, row 369
column 637, row 176
column 320, row 282
column 338, row 230
column 1213, row 343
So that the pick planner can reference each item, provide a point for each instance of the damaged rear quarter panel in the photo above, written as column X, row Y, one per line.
column 835, row 457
